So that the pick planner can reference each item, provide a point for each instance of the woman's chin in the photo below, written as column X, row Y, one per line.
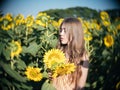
column 63, row 43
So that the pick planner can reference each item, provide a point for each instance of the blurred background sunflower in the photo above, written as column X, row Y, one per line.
column 33, row 73
column 16, row 48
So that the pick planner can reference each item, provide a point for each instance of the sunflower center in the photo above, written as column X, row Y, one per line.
column 109, row 40
column 53, row 55
column 33, row 73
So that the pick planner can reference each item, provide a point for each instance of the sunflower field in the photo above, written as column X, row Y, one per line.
column 27, row 47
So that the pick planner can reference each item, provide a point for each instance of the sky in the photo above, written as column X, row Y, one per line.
column 32, row 7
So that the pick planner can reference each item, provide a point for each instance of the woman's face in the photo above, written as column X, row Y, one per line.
column 63, row 35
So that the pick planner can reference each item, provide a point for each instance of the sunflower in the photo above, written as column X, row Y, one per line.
column 29, row 21
column 8, row 17
column 118, row 27
column 19, row 19
column 53, row 57
column 64, row 69
column 8, row 26
column 55, row 24
column 33, row 73
column 16, row 48
column 104, row 15
column 7, row 22
column 106, row 23
column 39, row 22
column 108, row 41
column 88, row 36
column 60, row 21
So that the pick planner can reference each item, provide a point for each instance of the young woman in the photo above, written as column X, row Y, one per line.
column 71, row 42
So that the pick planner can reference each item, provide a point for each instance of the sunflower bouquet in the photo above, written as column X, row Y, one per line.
column 54, row 61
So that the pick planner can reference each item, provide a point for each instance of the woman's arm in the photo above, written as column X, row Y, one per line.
column 83, row 78
column 84, row 69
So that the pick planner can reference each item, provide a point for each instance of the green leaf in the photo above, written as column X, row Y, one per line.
column 26, row 87
column 50, row 27
column 1, row 72
column 105, row 52
column 22, row 86
column 6, row 34
column 47, row 86
column 11, row 72
column 87, row 85
column 31, row 39
column 18, row 86
column 6, row 82
column 45, row 74
column 1, row 47
column 32, row 49
column 38, row 27
column 53, row 43
column 94, row 84
column 24, row 49
column 6, row 53
column 4, row 87
column 20, row 64
column 10, row 33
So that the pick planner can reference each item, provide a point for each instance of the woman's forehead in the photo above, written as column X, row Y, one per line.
column 65, row 25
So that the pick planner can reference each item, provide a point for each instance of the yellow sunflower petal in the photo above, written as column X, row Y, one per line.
column 33, row 73
column 108, row 41
column 52, row 57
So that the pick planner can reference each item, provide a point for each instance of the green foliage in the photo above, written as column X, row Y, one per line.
column 104, row 61
column 47, row 86
column 24, row 41
column 23, row 44
column 11, row 72
column 82, row 12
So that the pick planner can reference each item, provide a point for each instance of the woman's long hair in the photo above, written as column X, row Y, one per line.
column 75, row 47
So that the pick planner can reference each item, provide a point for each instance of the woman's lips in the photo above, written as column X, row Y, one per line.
column 61, row 38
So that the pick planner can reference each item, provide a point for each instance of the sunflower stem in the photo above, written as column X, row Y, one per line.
column 12, row 64
column 26, row 38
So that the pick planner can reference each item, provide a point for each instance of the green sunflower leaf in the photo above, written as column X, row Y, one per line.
column 47, row 86
column 11, row 72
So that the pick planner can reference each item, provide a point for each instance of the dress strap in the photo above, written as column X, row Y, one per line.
column 84, row 63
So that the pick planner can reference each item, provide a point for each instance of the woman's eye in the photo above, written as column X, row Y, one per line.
column 60, row 30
